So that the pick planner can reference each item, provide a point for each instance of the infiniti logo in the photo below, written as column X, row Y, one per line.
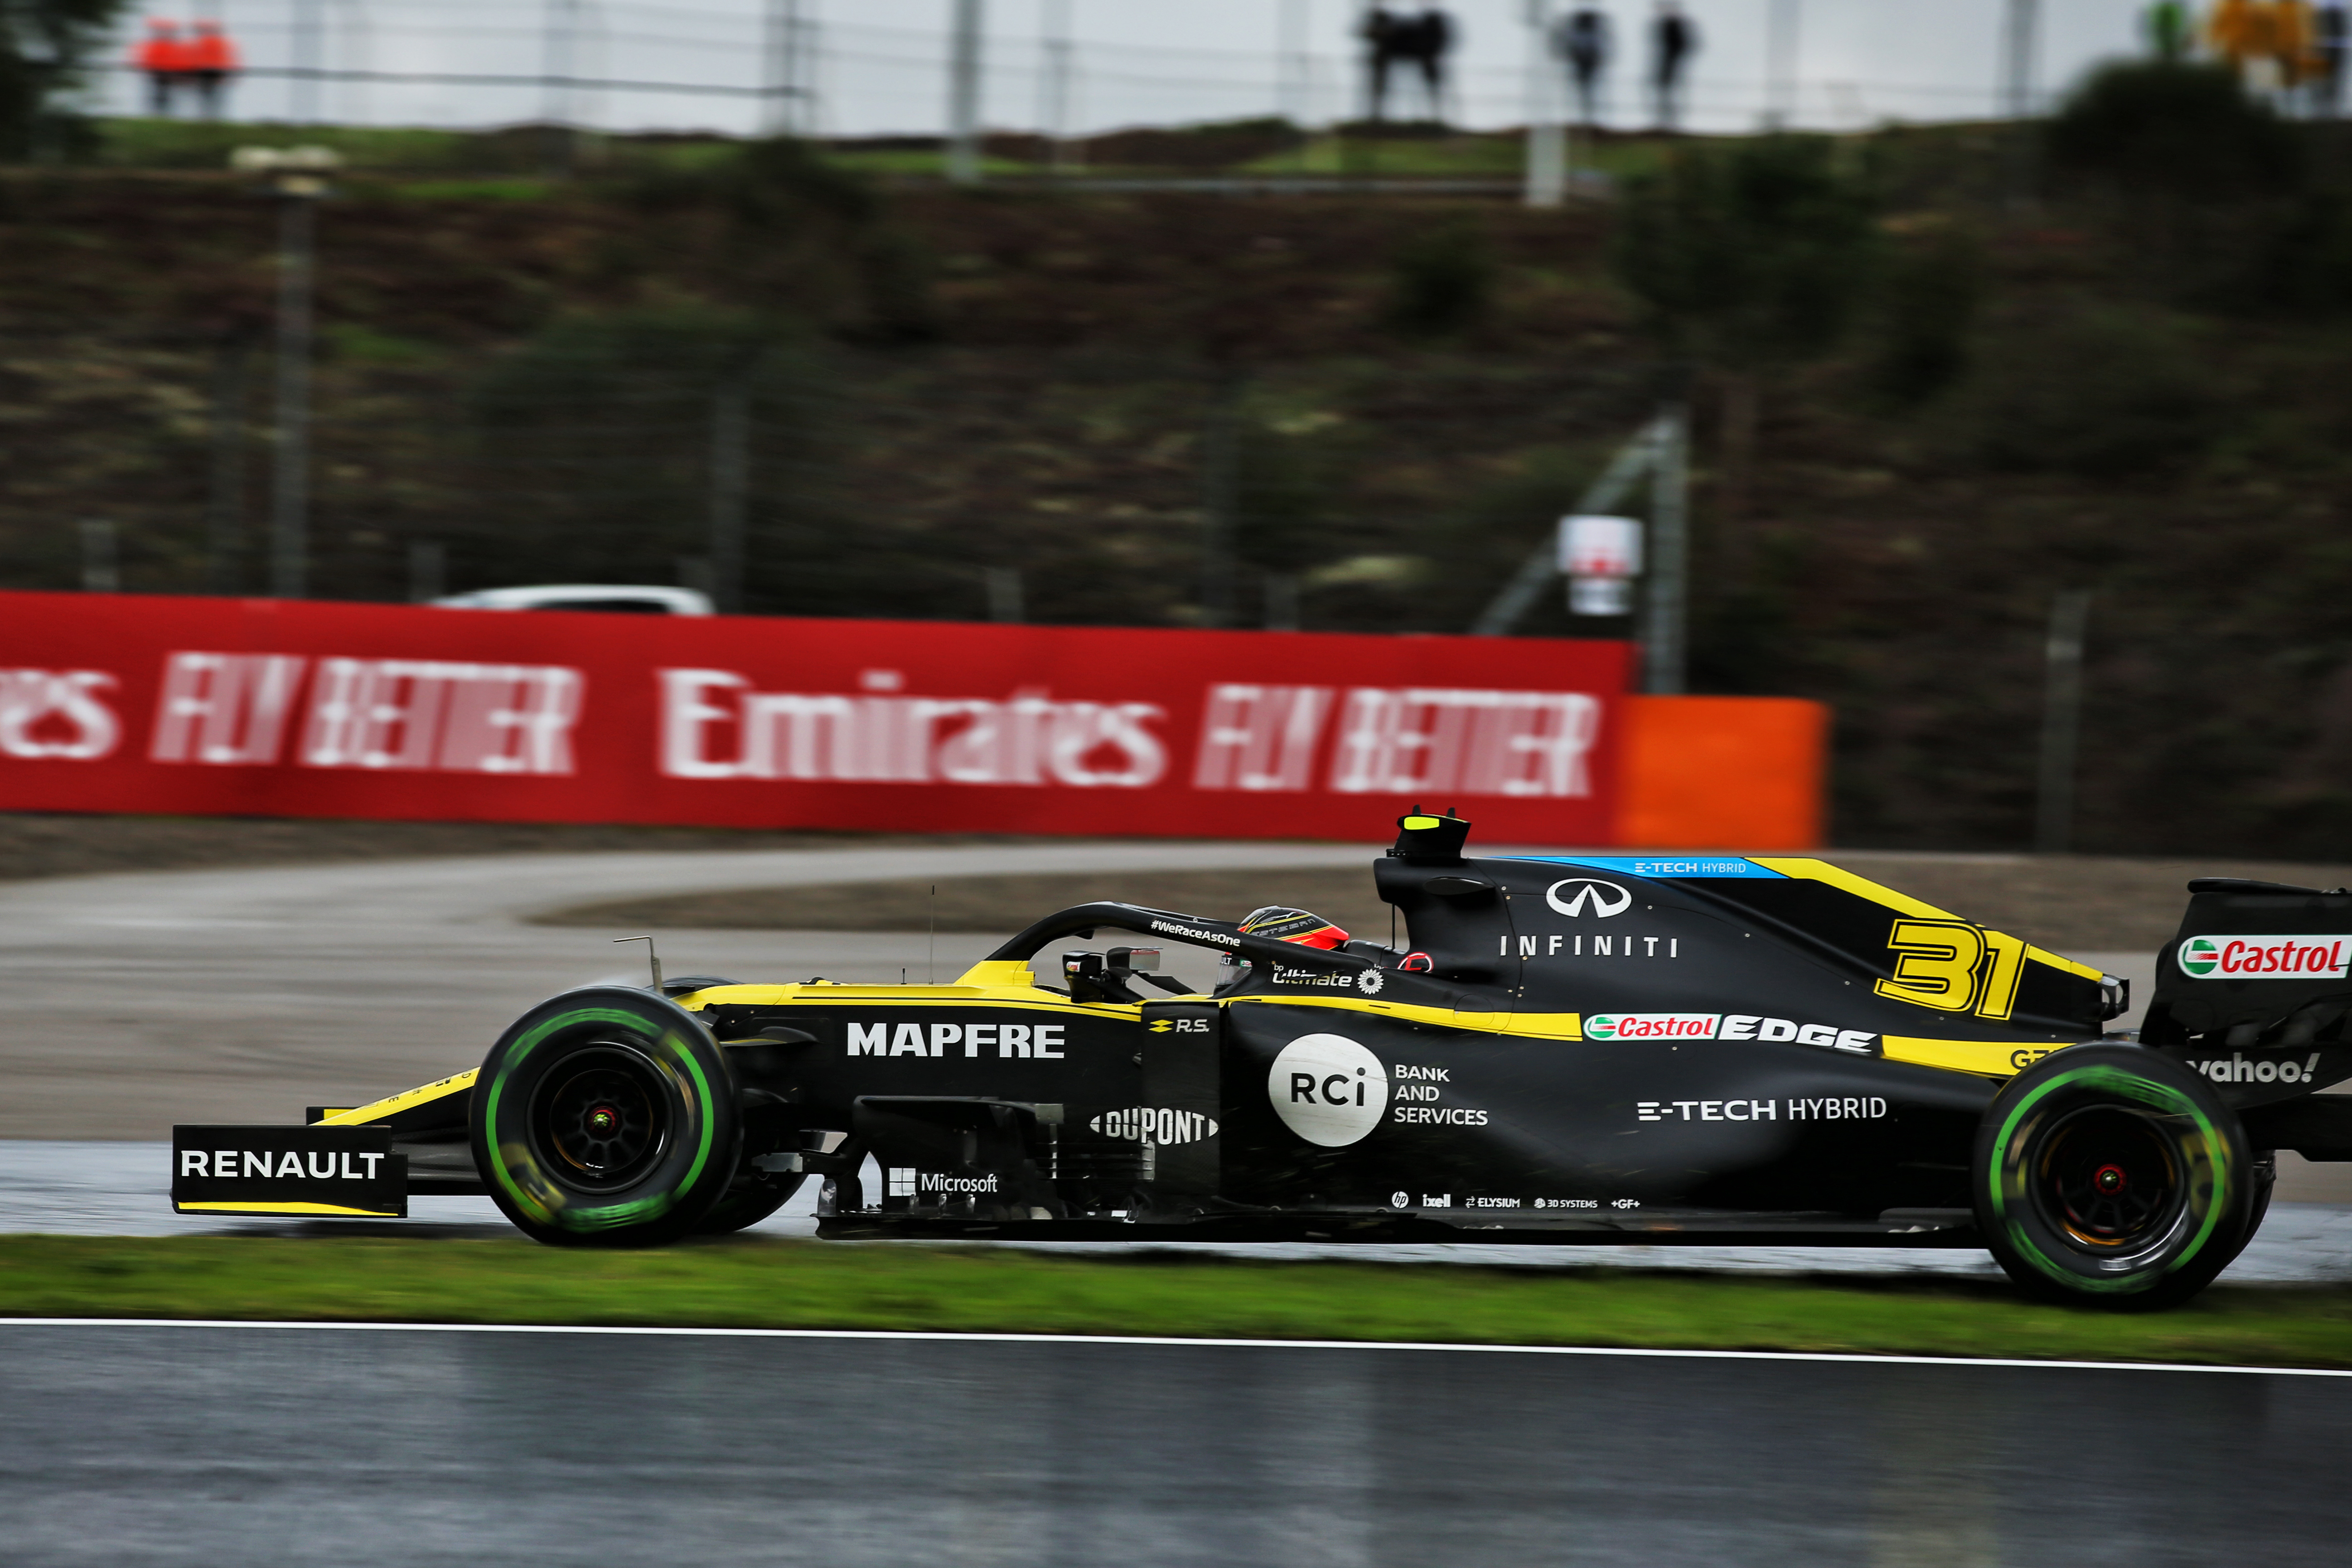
column 1605, row 899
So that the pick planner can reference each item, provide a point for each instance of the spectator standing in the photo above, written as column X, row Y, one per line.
column 1433, row 40
column 164, row 58
column 211, row 62
column 2169, row 30
column 1673, row 39
column 1379, row 31
column 2244, row 33
column 1585, row 41
column 2331, row 41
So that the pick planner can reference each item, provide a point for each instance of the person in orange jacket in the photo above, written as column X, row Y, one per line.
column 212, row 60
column 164, row 56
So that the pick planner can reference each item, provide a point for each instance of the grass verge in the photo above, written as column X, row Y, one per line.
column 818, row 1285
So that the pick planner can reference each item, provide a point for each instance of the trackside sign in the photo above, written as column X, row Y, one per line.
column 117, row 702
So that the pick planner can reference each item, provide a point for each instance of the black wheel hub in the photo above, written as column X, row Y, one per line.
column 2109, row 1179
column 602, row 1117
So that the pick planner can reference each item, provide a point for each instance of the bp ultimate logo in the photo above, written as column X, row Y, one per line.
column 2299, row 957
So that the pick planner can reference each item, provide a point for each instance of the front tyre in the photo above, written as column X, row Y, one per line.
column 2112, row 1176
column 605, row 1116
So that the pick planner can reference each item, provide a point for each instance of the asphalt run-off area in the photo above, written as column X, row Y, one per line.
column 214, row 1444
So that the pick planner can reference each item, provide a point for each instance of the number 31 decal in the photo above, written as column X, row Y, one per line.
column 1956, row 966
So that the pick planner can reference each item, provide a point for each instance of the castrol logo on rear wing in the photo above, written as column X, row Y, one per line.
column 2297, row 957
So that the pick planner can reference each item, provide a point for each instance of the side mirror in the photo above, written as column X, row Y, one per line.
column 1132, row 960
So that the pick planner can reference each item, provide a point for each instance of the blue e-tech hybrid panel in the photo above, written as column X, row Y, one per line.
column 1663, row 865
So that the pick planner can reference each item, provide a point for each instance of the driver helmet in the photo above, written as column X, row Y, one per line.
column 1283, row 923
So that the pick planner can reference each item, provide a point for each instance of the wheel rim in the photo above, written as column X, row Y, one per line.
column 601, row 1118
column 2108, row 1180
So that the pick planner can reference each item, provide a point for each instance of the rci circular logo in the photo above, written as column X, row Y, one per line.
column 2199, row 956
column 1327, row 1089
column 1602, row 898
column 1369, row 982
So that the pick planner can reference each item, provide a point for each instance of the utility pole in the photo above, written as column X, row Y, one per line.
column 1665, row 642
column 786, row 47
column 2020, row 44
column 1786, row 23
column 2061, row 722
column 1546, row 157
column 1053, row 82
column 225, row 507
column 559, row 69
column 731, row 488
column 298, row 179
column 963, row 95
column 1293, row 71
column 308, row 50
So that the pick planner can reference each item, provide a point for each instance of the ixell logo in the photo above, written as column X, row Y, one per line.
column 2302, row 957
column 1327, row 1089
column 1599, row 897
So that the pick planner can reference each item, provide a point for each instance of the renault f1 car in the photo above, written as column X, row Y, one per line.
column 1565, row 1050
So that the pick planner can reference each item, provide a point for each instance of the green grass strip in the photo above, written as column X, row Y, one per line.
column 772, row 1284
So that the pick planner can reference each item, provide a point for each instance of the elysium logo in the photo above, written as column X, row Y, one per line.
column 1369, row 982
column 1602, row 898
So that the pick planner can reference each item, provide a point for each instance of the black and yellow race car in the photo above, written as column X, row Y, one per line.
column 1562, row 1049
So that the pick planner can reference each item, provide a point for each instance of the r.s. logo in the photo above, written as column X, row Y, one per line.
column 1602, row 898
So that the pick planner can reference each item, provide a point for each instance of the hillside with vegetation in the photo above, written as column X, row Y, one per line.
column 1937, row 377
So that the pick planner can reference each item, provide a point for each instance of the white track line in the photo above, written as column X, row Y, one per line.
column 942, row 1335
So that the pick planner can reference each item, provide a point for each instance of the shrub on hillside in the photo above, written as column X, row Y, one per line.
column 2157, row 128
column 1441, row 279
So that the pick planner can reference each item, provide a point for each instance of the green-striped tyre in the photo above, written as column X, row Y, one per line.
column 2112, row 1176
column 605, row 1116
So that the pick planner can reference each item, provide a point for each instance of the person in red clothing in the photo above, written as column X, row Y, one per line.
column 211, row 61
column 165, row 58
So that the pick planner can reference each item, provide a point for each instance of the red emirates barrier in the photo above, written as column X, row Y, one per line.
column 264, row 707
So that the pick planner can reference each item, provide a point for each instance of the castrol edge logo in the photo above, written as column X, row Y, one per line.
column 2296, row 957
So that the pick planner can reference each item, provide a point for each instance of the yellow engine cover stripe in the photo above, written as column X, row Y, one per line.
column 1992, row 1058
column 1534, row 1025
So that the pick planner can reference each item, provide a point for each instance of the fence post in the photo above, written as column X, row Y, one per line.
column 1664, row 636
column 1004, row 596
column 225, row 507
column 730, row 475
column 290, row 499
column 2061, row 722
column 1220, row 485
column 101, row 557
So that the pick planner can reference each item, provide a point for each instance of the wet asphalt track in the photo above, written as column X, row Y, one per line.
column 258, row 1445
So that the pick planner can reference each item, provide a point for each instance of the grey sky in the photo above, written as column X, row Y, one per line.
column 1139, row 62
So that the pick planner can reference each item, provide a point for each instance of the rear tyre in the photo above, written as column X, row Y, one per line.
column 745, row 1207
column 605, row 1116
column 2112, row 1176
